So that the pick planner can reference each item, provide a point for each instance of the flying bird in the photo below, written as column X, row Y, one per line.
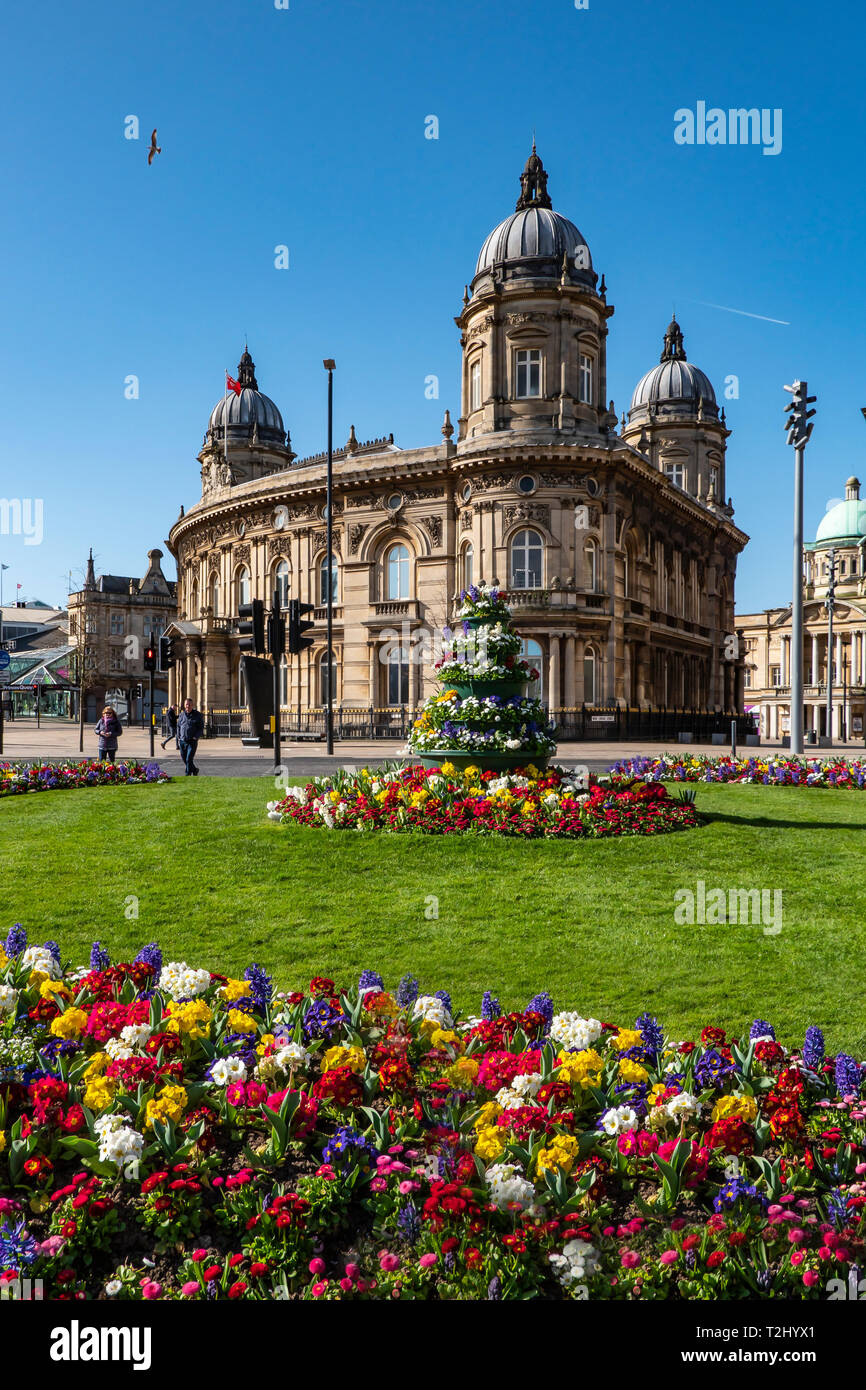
column 154, row 148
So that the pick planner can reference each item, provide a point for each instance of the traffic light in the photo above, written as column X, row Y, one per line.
column 167, row 657
column 251, row 628
column 276, row 635
column 798, row 423
column 150, row 657
column 137, row 692
column 297, row 627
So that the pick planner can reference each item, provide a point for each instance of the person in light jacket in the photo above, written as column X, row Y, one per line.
column 109, row 730
column 190, row 727
column 171, row 725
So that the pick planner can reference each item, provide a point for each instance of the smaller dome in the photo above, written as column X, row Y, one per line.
column 675, row 386
column 846, row 521
column 249, row 413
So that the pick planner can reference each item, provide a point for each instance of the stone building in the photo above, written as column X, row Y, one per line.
column 766, row 637
column 617, row 547
column 111, row 621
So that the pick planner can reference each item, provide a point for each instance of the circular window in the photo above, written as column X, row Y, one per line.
column 241, row 528
column 467, row 492
column 394, row 502
column 281, row 518
column 592, row 487
column 526, row 484
column 323, row 511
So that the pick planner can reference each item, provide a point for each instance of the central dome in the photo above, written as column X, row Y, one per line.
column 535, row 242
column 249, row 414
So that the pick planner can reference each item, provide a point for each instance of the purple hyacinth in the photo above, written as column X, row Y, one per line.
column 541, row 1004
column 16, row 941
column 762, row 1029
column 813, row 1047
column 490, row 1007
column 150, row 955
column 445, row 997
column 409, row 1221
column 53, row 950
column 17, row 1246
column 494, row 1289
column 848, row 1075
column 261, row 986
column 370, row 979
column 652, row 1033
column 99, row 957
column 407, row 991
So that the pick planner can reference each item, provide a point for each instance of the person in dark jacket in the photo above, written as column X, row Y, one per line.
column 171, row 724
column 109, row 730
column 190, row 727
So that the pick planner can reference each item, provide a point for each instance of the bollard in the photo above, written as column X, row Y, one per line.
column 733, row 738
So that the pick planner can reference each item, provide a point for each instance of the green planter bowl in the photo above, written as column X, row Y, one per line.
column 482, row 689
column 487, row 762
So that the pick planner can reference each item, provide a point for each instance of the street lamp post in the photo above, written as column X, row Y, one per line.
column 829, row 604
column 799, row 429
column 330, row 365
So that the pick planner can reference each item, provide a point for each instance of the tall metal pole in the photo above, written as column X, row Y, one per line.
column 830, row 603
column 277, row 644
column 152, row 674
column 797, row 610
column 329, row 365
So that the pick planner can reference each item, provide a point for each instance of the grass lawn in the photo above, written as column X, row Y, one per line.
column 219, row 885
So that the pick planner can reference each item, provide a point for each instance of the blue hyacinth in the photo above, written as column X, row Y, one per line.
column 490, row 1007
column 17, row 1246
column 53, row 950
column 652, row 1033
column 445, row 998
column 407, row 991
column 848, row 1075
column 16, row 941
column 150, row 955
column 762, row 1029
column 813, row 1047
column 261, row 986
column 542, row 1004
column 99, row 957
column 370, row 979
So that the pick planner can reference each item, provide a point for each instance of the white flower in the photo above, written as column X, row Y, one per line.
column 112, row 1287
column 117, row 1050
column 39, row 959
column 578, row 1259
column 287, row 1058
column 510, row 1099
column 119, row 1143
column 431, row 1010
column 573, row 1032
column 136, row 1034
column 618, row 1119
column 182, row 981
column 527, row 1084
column 507, row 1185
column 683, row 1105
column 227, row 1070
column 8, row 999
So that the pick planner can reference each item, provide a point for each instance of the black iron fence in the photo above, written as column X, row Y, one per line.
column 583, row 723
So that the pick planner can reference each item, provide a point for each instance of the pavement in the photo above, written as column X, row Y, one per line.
column 227, row 757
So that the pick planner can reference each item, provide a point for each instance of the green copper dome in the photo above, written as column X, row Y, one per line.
column 845, row 521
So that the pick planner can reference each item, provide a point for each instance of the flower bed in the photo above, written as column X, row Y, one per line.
column 772, row 772
column 443, row 800
column 167, row 1133
column 42, row 777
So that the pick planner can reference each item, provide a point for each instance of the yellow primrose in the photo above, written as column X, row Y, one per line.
column 236, row 989
column 193, row 1018
column 37, row 978
column 267, row 1040
column 488, row 1114
column 170, row 1106
column 4, row 959
column 96, row 1066
column 352, row 1057
column 240, row 1022
column 580, row 1068
column 444, row 1037
column 490, row 1143
column 632, row 1071
column 561, row 1153
column 742, row 1106
column 463, row 1072
column 99, row 1093
column 626, row 1038
column 49, row 988
column 70, row 1024
column 2, row 1141
column 448, row 770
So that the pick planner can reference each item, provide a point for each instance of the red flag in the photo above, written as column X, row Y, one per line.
column 232, row 385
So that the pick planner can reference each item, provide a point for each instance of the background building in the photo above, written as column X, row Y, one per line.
column 766, row 637
column 111, row 621
column 618, row 549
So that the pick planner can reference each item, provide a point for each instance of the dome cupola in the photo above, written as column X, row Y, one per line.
column 675, row 386
column 249, row 415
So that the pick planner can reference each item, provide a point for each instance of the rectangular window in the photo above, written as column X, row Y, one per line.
column 676, row 473
column 117, row 624
column 747, row 677
column 475, row 386
column 118, row 661
column 398, row 679
column 527, row 372
column 585, row 382
column 775, row 674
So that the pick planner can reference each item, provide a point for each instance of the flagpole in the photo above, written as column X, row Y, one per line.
column 226, row 417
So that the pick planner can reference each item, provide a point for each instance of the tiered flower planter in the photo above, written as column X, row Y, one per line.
column 483, row 665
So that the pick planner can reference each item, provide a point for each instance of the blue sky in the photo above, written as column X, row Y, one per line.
column 305, row 127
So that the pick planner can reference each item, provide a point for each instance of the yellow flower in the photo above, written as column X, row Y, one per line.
column 580, row 1068
column 37, row 978
column 335, row 797
column 240, row 1022
column 632, row 1071
column 49, row 988
column 561, row 1153
column 352, row 1057
column 70, row 1024
column 170, row 1106
column 448, row 770
column 463, row 1072
column 444, row 1037
column 743, row 1106
column 489, row 1143
column 488, row 1114
column 4, row 959
column 386, row 1006
column 236, row 989
column 2, row 1141
column 267, row 1040
column 472, row 773
column 193, row 1018
column 626, row 1038
column 99, row 1093
column 96, row 1066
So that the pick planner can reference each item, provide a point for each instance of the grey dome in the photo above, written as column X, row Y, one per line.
column 532, row 242
column 250, row 414
column 675, row 386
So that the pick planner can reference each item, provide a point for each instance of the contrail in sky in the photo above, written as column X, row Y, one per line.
column 744, row 312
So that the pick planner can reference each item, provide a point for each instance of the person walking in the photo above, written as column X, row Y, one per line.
column 190, row 727
column 109, row 729
column 171, row 724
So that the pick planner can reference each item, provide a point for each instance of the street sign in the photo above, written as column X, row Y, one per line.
column 602, row 719
column 5, row 660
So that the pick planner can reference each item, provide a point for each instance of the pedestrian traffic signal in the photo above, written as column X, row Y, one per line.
column 799, row 416
column 251, row 628
column 297, row 627
column 150, row 657
column 137, row 692
column 167, row 657
column 276, row 636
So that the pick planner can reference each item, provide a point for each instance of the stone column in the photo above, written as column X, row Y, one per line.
column 579, row 693
column 814, row 673
column 569, row 694
column 374, row 665
column 554, row 698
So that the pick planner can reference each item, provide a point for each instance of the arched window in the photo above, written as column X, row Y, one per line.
column 589, row 680
column 243, row 585
column 467, row 557
column 281, row 583
column 194, row 610
column 397, row 572
column 215, row 594
column 530, row 651
column 475, row 385
column 585, row 381
column 398, row 676
column 327, row 676
column 284, row 680
column 590, row 551
column 323, row 580
column 527, row 551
